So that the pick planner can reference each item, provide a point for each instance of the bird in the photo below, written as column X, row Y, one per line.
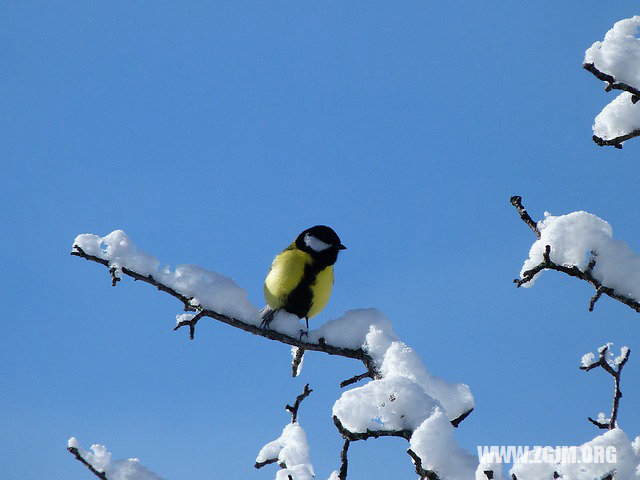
column 300, row 279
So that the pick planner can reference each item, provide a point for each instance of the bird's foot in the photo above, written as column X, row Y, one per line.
column 267, row 317
column 303, row 333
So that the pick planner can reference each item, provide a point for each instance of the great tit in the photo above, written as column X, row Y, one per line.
column 301, row 276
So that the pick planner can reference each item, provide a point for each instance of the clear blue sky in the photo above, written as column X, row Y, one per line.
column 212, row 133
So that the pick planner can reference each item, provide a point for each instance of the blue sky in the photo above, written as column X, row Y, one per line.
column 212, row 133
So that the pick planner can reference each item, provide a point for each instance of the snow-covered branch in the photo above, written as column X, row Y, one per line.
column 581, row 245
column 291, row 449
column 401, row 399
column 99, row 462
column 183, row 284
column 616, row 61
column 74, row 449
column 613, row 366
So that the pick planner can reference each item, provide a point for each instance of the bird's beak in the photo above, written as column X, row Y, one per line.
column 342, row 247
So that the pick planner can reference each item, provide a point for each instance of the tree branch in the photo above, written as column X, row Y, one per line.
column 294, row 410
column 617, row 393
column 266, row 462
column 354, row 436
column 573, row 271
column 516, row 201
column 354, row 379
column 76, row 453
column 296, row 362
column 294, row 417
column 344, row 461
column 611, row 82
column 456, row 421
column 420, row 470
column 320, row 346
column 615, row 142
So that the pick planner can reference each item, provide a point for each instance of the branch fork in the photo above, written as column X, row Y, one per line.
column 615, row 373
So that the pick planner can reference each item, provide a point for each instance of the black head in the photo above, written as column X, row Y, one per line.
column 320, row 242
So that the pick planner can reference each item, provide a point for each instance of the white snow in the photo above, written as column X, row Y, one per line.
column 100, row 459
column 371, row 330
column 433, row 442
column 618, row 118
column 587, row 359
column 407, row 397
column 535, row 465
column 294, row 352
column 618, row 54
column 351, row 329
column 573, row 237
column 395, row 403
column 208, row 289
column 623, row 353
column 184, row 317
column 292, row 451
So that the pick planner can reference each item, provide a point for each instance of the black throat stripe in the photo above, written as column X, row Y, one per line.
column 300, row 299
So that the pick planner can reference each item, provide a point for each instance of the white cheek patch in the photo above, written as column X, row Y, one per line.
column 314, row 243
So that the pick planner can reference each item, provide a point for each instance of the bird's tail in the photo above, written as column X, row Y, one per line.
column 266, row 314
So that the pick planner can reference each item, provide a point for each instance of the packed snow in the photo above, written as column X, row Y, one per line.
column 100, row 458
column 208, row 289
column 291, row 450
column 399, row 366
column 573, row 237
column 433, row 442
column 611, row 451
column 406, row 398
column 618, row 118
column 618, row 54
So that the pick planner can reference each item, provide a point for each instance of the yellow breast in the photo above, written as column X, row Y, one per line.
column 321, row 291
column 290, row 270
column 286, row 272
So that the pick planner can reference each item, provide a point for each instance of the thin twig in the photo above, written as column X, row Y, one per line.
column 594, row 299
column 354, row 379
column 516, row 201
column 76, row 453
column 266, row 462
column 456, row 421
column 617, row 141
column 612, row 83
column 354, row 436
column 617, row 393
column 294, row 410
column 297, row 360
column 420, row 470
column 294, row 418
column 344, row 461
column 191, row 323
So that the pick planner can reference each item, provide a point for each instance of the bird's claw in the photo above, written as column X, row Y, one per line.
column 303, row 333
